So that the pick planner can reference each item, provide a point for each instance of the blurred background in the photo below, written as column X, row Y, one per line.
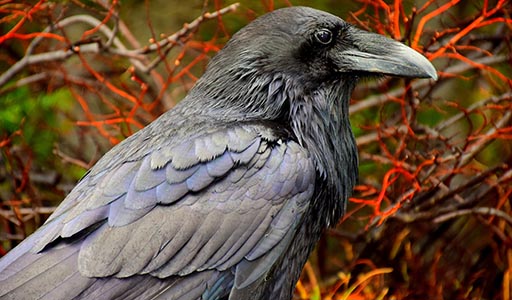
column 431, row 215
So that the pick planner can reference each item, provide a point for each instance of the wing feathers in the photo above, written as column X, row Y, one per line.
column 87, row 218
column 121, row 214
column 148, row 178
column 169, row 193
column 174, row 175
column 231, row 198
column 199, row 180
column 220, row 166
column 183, row 232
column 117, row 182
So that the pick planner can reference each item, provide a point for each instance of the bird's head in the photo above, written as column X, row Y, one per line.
column 306, row 48
column 298, row 66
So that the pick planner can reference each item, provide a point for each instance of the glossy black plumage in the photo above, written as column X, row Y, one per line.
column 224, row 196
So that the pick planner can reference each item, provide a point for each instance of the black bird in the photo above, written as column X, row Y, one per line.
column 224, row 196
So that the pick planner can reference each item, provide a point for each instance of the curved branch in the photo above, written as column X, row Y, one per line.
column 135, row 56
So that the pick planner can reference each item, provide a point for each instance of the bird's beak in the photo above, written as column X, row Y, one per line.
column 374, row 53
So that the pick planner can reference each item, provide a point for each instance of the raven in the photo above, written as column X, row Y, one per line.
column 224, row 196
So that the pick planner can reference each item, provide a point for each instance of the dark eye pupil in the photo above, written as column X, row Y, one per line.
column 324, row 36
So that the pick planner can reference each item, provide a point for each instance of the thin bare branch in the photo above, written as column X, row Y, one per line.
column 477, row 210
column 135, row 56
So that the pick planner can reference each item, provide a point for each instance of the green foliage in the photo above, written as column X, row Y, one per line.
column 38, row 116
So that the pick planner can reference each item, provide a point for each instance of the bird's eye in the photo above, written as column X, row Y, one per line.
column 324, row 36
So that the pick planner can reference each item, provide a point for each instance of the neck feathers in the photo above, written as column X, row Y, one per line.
column 321, row 124
column 316, row 113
